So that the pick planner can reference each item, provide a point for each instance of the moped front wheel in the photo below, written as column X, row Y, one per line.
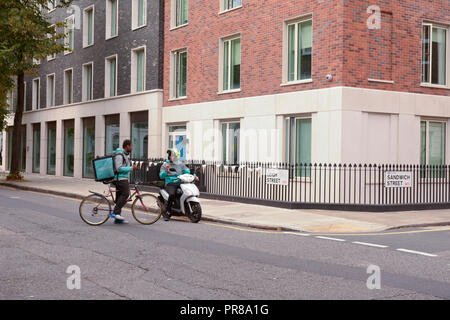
column 195, row 215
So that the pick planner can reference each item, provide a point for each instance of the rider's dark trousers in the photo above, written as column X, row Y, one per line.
column 171, row 189
column 122, row 195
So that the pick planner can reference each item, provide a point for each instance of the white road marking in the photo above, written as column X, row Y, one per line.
column 333, row 239
column 14, row 197
column 370, row 244
column 297, row 233
column 417, row 252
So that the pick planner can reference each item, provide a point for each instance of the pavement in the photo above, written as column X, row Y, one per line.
column 257, row 216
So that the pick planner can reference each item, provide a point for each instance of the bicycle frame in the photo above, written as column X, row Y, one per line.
column 136, row 193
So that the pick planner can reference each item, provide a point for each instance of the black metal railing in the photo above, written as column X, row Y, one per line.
column 331, row 186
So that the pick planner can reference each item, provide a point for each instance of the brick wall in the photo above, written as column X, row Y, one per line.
column 343, row 45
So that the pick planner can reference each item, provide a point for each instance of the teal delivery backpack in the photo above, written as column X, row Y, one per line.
column 104, row 168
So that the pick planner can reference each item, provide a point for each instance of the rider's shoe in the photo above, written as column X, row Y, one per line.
column 120, row 222
column 165, row 213
column 119, row 217
column 112, row 215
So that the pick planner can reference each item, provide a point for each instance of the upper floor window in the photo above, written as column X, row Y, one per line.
column 88, row 26
column 69, row 34
column 231, row 64
column 179, row 74
column 297, row 62
column 179, row 12
column 111, row 76
column 230, row 4
column 51, row 90
column 434, row 54
column 68, row 86
column 53, row 56
column 139, row 13
column 138, row 69
column 112, row 18
column 88, row 86
column 35, row 103
column 51, row 4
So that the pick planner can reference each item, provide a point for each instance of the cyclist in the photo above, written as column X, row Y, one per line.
column 123, row 164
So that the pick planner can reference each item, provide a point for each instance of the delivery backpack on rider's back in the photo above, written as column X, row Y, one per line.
column 105, row 167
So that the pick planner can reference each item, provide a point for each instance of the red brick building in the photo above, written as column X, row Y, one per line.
column 335, row 81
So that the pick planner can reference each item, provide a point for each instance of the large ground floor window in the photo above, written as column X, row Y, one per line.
column 69, row 148
column 51, row 148
column 139, row 135
column 177, row 139
column 112, row 133
column 298, row 144
column 36, row 148
column 88, row 147
column 230, row 142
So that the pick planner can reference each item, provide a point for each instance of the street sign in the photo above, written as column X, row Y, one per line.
column 277, row 177
column 398, row 179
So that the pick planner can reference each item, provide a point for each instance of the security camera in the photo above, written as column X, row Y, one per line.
column 329, row 77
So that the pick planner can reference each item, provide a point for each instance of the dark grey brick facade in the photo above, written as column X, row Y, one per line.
column 151, row 36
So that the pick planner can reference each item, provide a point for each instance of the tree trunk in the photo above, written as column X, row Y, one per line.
column 17, row 129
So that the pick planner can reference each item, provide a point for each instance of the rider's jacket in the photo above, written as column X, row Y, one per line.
column 122, row 161
column 172, row 176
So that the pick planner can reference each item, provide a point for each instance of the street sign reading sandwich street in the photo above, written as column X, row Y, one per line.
column 398, row 179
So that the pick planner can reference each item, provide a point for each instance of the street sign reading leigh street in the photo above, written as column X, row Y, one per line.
column 398, row 179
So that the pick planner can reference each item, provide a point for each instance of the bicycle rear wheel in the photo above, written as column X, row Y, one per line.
column 146, row 209
column 95, row 209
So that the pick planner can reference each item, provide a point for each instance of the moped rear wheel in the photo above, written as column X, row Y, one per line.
column 196, row 214
column 146, row 209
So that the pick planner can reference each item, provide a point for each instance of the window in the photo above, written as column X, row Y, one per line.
column 434, row 54
column 139, row 9
column 298, row 144
column 51, row 90
column 179, row 12
column 298, row 61
column 139, row 135
column 112, row 133
column 36, row 148
column 36, row 61
column 88, row 81
column 51, row 147
column 111, row 76
column 69, row 34
column 24, row 95
column 177, row 139
column 432, row 142
column 112, row 18
column 88, row 26
column 69, row 147
column 179, row 76
column 53, row 56
column 51, row 4
column 138, row 70
column 88, row 147
column 231, row 66
column 230, row 4
column 35, row 104
column 68, row 86
column 230, row 142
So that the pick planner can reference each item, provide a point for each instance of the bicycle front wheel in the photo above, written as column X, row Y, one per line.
column 95, row 210
column 146, row 209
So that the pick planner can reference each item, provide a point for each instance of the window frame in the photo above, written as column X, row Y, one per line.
column 65, row 86
column 285, row 55
column 135, row 14
column 174, row 15
column 53, row 56
column 174, row 88
column 53, row 96
column 38, row 91
column 108, row 76
column 84, row 87
column 227, row 151
column 224, row 8
column 222, row 41
column 72, row 17
column 134, row 71
column 427, row 138
column 433, row 25
column 53, row 2
column 86, row 26
column 108, row 20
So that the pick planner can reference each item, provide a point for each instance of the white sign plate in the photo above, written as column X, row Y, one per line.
column 398, row 179
column 277, row 177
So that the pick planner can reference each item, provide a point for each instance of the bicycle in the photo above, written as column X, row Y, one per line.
column 95, row 209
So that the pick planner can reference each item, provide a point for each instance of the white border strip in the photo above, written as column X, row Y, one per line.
column 417, row 252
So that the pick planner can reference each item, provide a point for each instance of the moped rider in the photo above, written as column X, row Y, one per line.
column 170, row 170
